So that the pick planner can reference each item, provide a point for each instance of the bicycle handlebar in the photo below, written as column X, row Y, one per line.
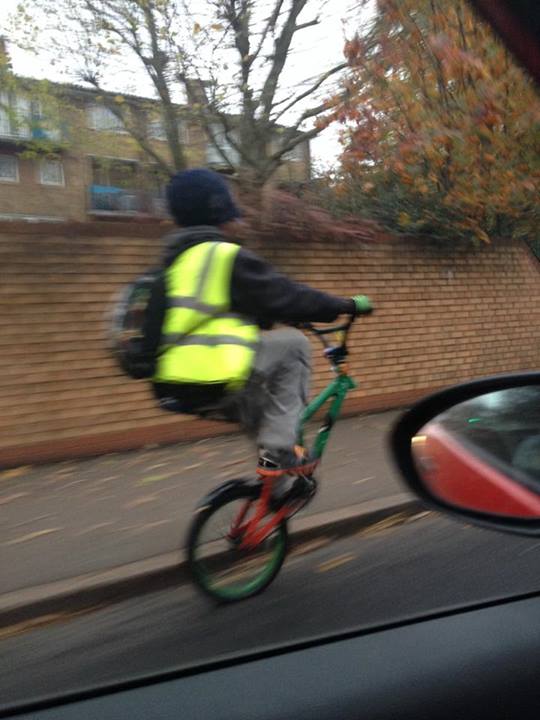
column 332, row 352
column 344, row 327
column 328, row 331
column 336, row 354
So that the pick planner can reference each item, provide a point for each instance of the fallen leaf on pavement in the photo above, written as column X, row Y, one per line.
column 335, row 562
column 10, row 498
column 43, row 621
column 156, row 478
column 310, row 546
column 149, row 526
column 191, row 467
column 384, row 524
column 140, row 501
column 32, row 536
column 93, row 528
column 14, row 472
column 33, row 520
column 106, row 479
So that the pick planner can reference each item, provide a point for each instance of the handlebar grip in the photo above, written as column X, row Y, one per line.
column 367, row 311
column 363, row 305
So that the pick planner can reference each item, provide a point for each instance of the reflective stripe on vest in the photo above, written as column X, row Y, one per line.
column 202, row 341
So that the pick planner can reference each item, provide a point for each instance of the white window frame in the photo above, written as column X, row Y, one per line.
column 42, row 180
column 16, row 164
column 94, row 124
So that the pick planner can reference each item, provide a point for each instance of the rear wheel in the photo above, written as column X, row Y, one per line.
column 219, row 567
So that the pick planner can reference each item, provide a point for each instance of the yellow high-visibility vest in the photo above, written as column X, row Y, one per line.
column 202, row 341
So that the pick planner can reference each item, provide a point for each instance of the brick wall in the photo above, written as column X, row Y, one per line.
column 441, row 318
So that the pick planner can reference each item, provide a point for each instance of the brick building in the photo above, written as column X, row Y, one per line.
column 64, row 155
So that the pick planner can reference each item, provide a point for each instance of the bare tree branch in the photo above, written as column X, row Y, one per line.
column 239, row 20
column 310, row 90
column 158, row 62
column 269, row 27
column 308, row 24
column 127, row 30
column 279, row 58
column 276, row 159
column 209, row 115
column 293, row 136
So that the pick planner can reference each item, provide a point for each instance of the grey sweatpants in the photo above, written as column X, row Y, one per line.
column 271, row 404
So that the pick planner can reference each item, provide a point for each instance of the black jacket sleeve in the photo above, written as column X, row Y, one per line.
column 261, row 292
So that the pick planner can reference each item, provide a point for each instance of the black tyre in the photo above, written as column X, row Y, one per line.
column 218, row 566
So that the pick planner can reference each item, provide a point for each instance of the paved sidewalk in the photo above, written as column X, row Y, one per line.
column 67, row 519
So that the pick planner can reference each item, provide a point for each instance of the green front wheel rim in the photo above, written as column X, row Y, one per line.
column 218, row 566
column 251, row 587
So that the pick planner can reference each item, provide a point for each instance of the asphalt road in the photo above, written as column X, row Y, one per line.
column 383, row 573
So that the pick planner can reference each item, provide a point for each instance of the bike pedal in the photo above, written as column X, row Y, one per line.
column 297, row 498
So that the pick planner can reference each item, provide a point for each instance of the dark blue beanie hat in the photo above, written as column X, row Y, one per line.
column 200, row 197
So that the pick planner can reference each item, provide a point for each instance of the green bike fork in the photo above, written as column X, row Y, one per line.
column 337, row 391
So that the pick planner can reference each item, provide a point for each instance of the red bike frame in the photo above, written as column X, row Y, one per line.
column 249, row 531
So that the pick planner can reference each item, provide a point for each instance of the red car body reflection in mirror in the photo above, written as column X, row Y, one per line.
column 452, row 472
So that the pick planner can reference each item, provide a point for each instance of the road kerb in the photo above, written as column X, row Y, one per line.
column 170, row 569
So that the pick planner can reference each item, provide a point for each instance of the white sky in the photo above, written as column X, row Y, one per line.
column 317, row 48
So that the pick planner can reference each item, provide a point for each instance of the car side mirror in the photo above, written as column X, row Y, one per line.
column 473, row 450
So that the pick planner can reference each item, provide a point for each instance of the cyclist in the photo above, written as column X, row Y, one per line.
column 209, row 323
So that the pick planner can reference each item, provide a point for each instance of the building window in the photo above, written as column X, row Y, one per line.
column 296, row 154
column 15, row 115
column 5, row 119
column 51, row 172
column 9, row 168
column 156, row 131
column 23, row 118
column 101, row 118
column 114, row 186
column 44, row 127
column 114, row 172
column 214, row 156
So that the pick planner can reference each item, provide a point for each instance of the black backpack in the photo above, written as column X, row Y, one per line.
column 126, row 328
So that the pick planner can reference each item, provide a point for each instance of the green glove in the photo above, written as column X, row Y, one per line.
column 362, row 304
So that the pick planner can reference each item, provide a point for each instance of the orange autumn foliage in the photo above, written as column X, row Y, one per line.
column 441, row 127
